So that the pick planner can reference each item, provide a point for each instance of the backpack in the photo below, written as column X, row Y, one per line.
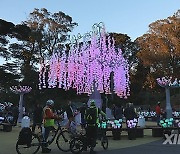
column 25, row 136
column 91, row 115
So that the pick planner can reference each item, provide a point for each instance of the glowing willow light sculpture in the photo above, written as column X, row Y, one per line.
column 21, row 90
column 89, row 63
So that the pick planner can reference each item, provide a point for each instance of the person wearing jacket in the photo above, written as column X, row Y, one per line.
column 92, row 125
column 158, row 113
column 48, row 120
column 130, row 114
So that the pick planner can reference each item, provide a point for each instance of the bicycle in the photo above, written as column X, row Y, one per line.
column 62, row 140
column 77, row 143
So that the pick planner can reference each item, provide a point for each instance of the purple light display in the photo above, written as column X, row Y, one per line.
column 167, row 82
column 20, row 89
column 88, row 64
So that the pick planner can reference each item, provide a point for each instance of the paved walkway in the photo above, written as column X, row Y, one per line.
column 8, row 141
column 155, row 147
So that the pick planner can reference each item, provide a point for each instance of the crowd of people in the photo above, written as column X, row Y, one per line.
column 90, row 124
column 46, row 116
column 49, row 116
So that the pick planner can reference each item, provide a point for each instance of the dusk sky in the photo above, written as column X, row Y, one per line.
column 122, row 16
column 130, row 17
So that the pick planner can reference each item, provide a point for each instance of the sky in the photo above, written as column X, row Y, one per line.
column 130, row 17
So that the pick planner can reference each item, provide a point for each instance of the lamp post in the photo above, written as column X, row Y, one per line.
column 20, row 90
column 166, row 82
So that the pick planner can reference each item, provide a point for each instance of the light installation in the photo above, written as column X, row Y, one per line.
column 20, row 90
column 167, row 122
column 91, row 62
column 132, row 123
column 177, row 123
column 115, row 124
column 167, row 83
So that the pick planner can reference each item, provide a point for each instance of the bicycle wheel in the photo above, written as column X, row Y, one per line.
column 33, row 148
column 104, row 142
column 76, row 146
column 63, row 140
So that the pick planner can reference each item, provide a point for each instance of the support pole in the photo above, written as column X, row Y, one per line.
column 168, row 104
column 20, row 108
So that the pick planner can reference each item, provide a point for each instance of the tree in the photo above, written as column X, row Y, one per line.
column 43, row 32
column 8, row 71
column 7, row 31
column 48, row 33
column 160, row 49
column 129, row 48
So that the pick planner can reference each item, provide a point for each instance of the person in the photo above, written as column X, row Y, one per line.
column 91, row 117
column 118, row 112
column 130, row 114
column 82, row 111
column 15, row 113
column 48, row 119
column 158, row 112
column 37, row 117
column 70, row 113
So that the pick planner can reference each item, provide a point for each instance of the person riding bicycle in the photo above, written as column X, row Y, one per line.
column 92, row 120
column 48, row 120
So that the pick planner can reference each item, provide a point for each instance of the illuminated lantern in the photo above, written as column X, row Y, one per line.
column 167, row 122
column 132, row 123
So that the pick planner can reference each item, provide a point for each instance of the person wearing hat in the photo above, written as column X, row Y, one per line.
column 92, row 119
column 158, row 112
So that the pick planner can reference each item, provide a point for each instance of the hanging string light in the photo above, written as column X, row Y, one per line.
column 88, row 64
